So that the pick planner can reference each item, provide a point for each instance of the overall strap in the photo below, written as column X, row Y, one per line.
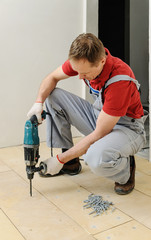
column 92, row 90
column 114, row 79
column 118, row 78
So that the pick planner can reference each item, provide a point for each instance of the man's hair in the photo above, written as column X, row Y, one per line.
column 87, row 46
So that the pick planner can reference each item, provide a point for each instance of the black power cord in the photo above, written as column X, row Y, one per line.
column 47, row 113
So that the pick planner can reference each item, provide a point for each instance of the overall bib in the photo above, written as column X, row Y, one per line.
column 109, row 156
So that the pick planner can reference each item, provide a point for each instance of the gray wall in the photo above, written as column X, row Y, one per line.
column 139, row 44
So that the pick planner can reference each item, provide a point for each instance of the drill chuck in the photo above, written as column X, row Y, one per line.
column 43, row 167
column 31, row 156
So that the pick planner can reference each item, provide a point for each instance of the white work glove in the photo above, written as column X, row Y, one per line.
column 36, row 109
column 51, row 165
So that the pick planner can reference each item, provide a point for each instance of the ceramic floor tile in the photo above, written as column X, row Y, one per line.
column 56, row 209
column 93, row 183
column 7, row 229
column 128, row 231
column 35, row 217
column 143, row 165
column 136, row 204
column 63, row 192
column 9, row 153
column 89, row 180
column 69, row 197
column 13, row 157
column 3, row 167
column 143, row 183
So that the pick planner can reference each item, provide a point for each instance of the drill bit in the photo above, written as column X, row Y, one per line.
column 30, row 187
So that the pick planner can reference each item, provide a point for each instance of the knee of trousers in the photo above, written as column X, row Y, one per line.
column 53, row 97
column 105, row 162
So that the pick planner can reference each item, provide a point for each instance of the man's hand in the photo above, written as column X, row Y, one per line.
column 51, row 165
column 36, row 109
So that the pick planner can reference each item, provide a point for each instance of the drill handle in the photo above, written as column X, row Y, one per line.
column 34, row 119
column 43, row 115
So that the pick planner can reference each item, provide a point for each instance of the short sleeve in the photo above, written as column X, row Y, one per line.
column 118, row 98
column 67, row 69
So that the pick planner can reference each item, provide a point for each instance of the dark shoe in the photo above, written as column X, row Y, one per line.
column 72, row 167
column 126, row 188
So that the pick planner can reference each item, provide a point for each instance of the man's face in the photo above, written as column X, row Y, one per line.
column 85, row 68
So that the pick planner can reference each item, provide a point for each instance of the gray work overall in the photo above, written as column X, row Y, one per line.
column 109, row 156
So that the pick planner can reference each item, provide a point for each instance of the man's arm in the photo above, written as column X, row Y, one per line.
column 49, row 83
column 104, row 126
column 47, row 86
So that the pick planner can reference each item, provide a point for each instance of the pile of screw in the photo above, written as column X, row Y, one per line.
column 98, row 205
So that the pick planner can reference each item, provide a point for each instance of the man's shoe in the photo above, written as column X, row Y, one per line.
column 72, row 167
column 126, row 188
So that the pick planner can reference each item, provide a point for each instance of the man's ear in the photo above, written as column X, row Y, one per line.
column 103, row 60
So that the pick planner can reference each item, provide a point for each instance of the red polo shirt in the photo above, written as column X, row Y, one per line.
column 120, row 98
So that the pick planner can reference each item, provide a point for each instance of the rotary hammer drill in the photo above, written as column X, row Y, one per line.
column 31, row 147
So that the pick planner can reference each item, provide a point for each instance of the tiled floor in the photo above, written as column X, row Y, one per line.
column 56, row 209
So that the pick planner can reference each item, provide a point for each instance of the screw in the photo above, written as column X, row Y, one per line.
column 97, row 203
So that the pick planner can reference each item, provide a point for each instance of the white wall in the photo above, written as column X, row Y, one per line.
column 35, row 39
column 90, row 25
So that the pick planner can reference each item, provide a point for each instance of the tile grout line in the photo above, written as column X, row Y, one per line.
column 11, row 169
column 143, row 224
column 65, row 212
column 147, row 174
column 142, row 193
column 6, row 171
column 68, row 215
column 25, row 180
column 12, row 223
column 133, row 219
column 93, row 235
column 114, row 227
column 52, row 204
